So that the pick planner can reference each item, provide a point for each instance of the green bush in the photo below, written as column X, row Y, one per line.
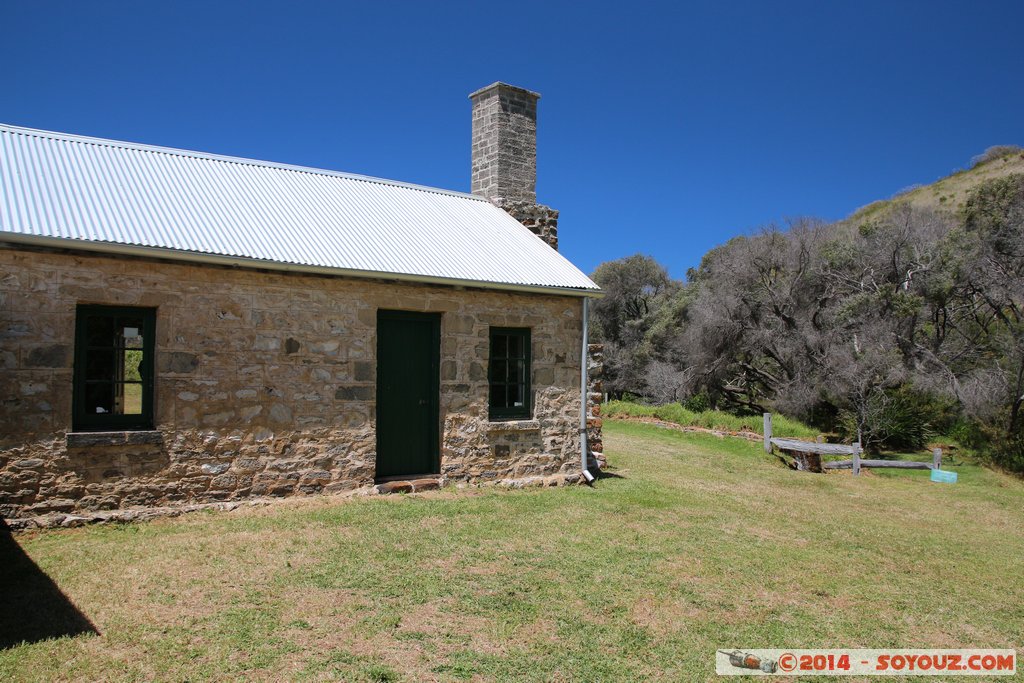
column 900, row 419
column 710, row 419
column 1008, row 453
column 698, row 403
column 968, row 434
column 997, row 447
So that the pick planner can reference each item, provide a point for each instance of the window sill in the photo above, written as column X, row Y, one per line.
column 122, row 438
column 512, row 425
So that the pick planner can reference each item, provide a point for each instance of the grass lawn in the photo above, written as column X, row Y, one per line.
column 710, row 419
column 700, row 543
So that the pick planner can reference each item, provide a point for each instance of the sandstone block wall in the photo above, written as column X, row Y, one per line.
column 504, row 144
column 505, row 156
column 265, row 384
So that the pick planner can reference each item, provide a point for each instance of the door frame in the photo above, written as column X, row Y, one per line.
column 434, row 405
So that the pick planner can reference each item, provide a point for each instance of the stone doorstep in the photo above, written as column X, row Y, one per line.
column 414, row 484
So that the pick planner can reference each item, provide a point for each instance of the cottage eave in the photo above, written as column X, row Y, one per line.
column 115, row 249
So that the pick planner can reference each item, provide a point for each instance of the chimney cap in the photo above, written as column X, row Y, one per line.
column 501, row 85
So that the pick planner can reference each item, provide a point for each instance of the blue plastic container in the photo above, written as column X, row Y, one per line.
column 944, row 476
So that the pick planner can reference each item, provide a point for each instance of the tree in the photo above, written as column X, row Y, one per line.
column 993, row 221
column 636, row 289
column 881, row 327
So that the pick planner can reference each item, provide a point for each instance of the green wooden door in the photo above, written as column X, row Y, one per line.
column 408, row 372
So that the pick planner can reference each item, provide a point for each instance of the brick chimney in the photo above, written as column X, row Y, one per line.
column 505, row 156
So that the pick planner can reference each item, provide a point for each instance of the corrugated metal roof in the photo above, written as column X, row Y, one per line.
column 104, row 193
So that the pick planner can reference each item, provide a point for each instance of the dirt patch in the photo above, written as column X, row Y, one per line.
column 413, row 639
column 664, row 617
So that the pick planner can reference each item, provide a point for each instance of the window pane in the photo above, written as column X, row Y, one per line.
column 132, row 337
column 99, row 331
column 499, row 346
column 499, row 371
column 131, row 399
column 515, row 397
column 129, row 331
column 518, row 374
column 99, row 364
column 132, row 362
column 99, row 398
column 515, row 346
column 498, row 396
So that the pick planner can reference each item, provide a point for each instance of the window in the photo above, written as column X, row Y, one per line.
column 509, row 372
column 113, row 380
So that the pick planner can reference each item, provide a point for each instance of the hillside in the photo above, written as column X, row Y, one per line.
column 949, row 193
column 900, row 325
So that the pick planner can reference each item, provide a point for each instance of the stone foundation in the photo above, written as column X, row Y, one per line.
column 265, row 385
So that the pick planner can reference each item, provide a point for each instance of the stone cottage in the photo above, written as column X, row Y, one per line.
column 180, row 327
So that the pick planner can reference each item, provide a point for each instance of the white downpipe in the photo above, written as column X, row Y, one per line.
column 584, row 394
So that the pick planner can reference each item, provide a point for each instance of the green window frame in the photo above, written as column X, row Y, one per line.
column 113, row 373
column 509, row 372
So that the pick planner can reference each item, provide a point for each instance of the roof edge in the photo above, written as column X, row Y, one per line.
column 113, row 248
column 174, row 151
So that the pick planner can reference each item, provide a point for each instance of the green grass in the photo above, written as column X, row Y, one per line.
column 709, row 419
column 699, row 543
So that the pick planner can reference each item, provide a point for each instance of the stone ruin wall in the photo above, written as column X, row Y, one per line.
column 541, row 220
column 265, row 384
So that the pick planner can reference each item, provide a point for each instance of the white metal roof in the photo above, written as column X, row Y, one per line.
column 105, row 195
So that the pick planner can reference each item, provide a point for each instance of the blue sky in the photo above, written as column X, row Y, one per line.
column 665, row 128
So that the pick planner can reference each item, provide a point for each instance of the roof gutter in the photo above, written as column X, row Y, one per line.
column 243, row 262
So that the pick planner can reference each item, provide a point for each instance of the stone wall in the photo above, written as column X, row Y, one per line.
column 595, row 394
column 265, row 384
column 541, row 220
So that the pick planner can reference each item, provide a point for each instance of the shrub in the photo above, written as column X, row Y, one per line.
column 993, row 153
column 968, row 434
column 901, row 418
column 698, row 402
column 1008, row 453
column 997, row 447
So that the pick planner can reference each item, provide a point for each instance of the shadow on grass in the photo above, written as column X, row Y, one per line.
column 32, row 607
